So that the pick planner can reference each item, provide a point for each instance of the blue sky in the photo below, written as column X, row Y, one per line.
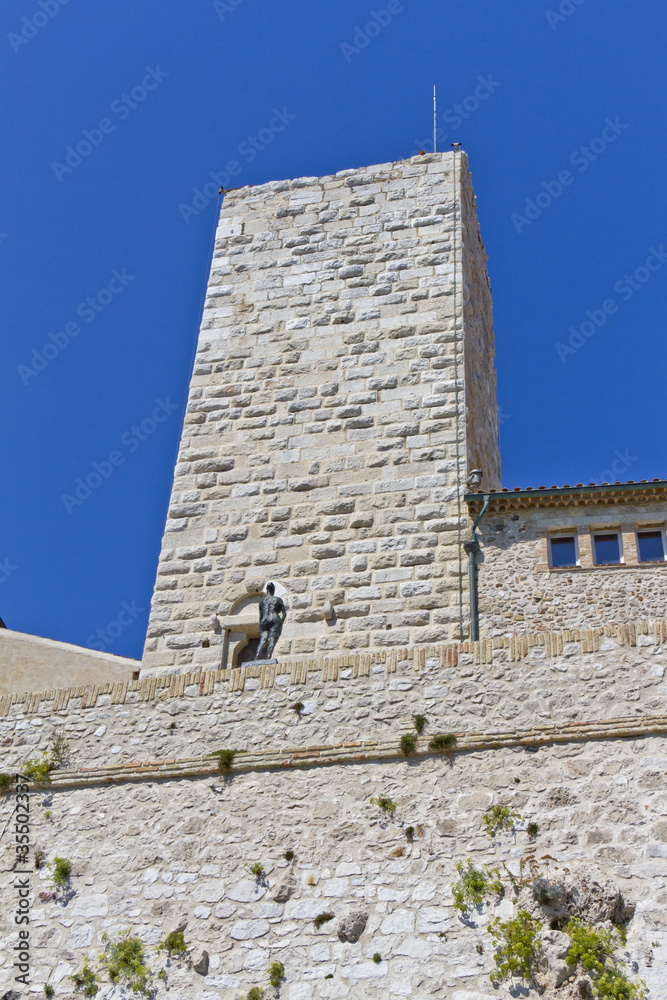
column 104, row 251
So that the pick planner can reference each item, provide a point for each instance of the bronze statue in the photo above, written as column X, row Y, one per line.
column 272, row 614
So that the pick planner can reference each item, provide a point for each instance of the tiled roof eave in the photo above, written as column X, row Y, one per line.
column 576, row 496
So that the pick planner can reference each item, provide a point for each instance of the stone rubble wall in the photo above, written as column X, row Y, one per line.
column 324, row 444
column 149, row 854
column 537, row 680
column 518, row 592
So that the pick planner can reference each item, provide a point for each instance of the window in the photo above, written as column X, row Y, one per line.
column 563, row 549
column 651, row 546
column 607, row 548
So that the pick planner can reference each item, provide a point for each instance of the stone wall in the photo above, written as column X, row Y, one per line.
column 149, row 854
column 567, row 728
column 324, row 445
column 559, row 679
column 481, row 400
column 30, row 663
column 518, row 590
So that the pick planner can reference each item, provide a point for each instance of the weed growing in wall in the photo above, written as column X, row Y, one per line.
column 58, row 750
column 386, row 804
column 256, row 869
column 289, row 855
column 419, row 721
column 60, row 871
column 408, row 744
column 5, row 781
column 297, row 707
column 276, row 973
column 40, row 857
column 443, row 743
column 409, row 834
column 532, row 830
column 256, row 993
column 48, row 990
column 174, row 944
column 85, row 981
column 377, row 957
column 473, row 885
column 225, row 759
column 499, row 817
column 38, row 769
column 594, row 951
column 517, row 947
column 124, row 961
column 322, row 918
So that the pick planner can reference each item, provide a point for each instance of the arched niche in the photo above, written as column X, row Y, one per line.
column 241, row 628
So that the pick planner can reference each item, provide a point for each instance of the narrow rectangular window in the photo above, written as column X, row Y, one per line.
column 607, row 548
column 651, row 546
column 563, row 551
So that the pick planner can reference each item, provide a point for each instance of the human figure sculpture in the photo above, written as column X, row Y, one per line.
column 272, row 614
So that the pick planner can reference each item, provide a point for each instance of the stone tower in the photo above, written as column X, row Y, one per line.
column 344, row 388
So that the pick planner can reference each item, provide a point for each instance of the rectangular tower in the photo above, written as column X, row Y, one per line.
column 344, row 387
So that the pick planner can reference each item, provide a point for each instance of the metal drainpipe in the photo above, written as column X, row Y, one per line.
column 472, row 548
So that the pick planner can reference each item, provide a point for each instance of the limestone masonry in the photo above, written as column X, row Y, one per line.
column 308, row 824
column 344, row 385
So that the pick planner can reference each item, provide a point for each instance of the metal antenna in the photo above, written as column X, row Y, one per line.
column 435, row 150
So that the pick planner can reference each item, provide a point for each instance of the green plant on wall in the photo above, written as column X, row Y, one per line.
column 58, row 750
column 386, row 804
column 443, row 743
column 5, row 782
column 473, row 884
column 408, row 744
column 174, row 944
column 38, row 769
column 60, row 871
column 419, row 721
column 499, row 817
column 85, row 981
column 124, row 961
column 322, row 918
column 594, row 951
column 256, row 869
column 517, row 946
column 276, row 973
column 225, row 759
column 613, row 984
column 256, row 993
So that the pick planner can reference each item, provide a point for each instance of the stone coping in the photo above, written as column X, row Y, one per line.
column 625, row 727
column 335, row 668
